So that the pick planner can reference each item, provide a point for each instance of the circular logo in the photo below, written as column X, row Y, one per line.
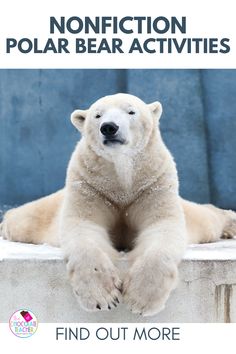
column 23, row 323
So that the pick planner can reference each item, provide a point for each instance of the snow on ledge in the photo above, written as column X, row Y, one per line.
column 19, row 250
column 224, row 250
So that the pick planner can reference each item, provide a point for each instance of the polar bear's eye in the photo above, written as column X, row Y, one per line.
column 98, row 116
column 131, row 113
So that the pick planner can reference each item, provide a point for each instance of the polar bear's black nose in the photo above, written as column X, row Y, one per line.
column 109, row 129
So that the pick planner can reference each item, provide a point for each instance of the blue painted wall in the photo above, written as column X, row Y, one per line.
column 37, row 138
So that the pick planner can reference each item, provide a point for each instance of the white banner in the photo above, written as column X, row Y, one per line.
column 108, row 34
column 120, row 337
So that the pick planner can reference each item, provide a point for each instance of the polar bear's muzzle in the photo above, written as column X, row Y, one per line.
column 110, row 133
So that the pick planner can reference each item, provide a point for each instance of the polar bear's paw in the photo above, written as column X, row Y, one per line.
column 148, row 284
column 229, row 230
column 96, row 283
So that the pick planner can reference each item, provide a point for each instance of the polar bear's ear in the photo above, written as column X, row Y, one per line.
column 156, row 109
column 78, row 118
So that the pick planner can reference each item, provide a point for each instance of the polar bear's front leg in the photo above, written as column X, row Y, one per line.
column 153, row 272
column 89, row 257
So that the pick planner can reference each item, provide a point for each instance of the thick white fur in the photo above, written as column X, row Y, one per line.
column 120, row 196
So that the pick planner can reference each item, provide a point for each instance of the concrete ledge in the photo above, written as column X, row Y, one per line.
column 34, row 277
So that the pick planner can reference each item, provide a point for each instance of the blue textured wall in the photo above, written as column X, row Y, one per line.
column 198, row 125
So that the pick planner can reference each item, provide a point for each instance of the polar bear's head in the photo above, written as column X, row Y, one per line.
column 117, row 123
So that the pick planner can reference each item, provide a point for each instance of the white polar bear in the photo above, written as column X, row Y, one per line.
column 121, row 193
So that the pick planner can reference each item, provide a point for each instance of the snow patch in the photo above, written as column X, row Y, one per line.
column 19, row 250
column 223, row 250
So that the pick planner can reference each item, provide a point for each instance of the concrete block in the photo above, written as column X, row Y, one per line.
column 34, row 277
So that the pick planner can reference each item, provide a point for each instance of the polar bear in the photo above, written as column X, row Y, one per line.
column 121, row 193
